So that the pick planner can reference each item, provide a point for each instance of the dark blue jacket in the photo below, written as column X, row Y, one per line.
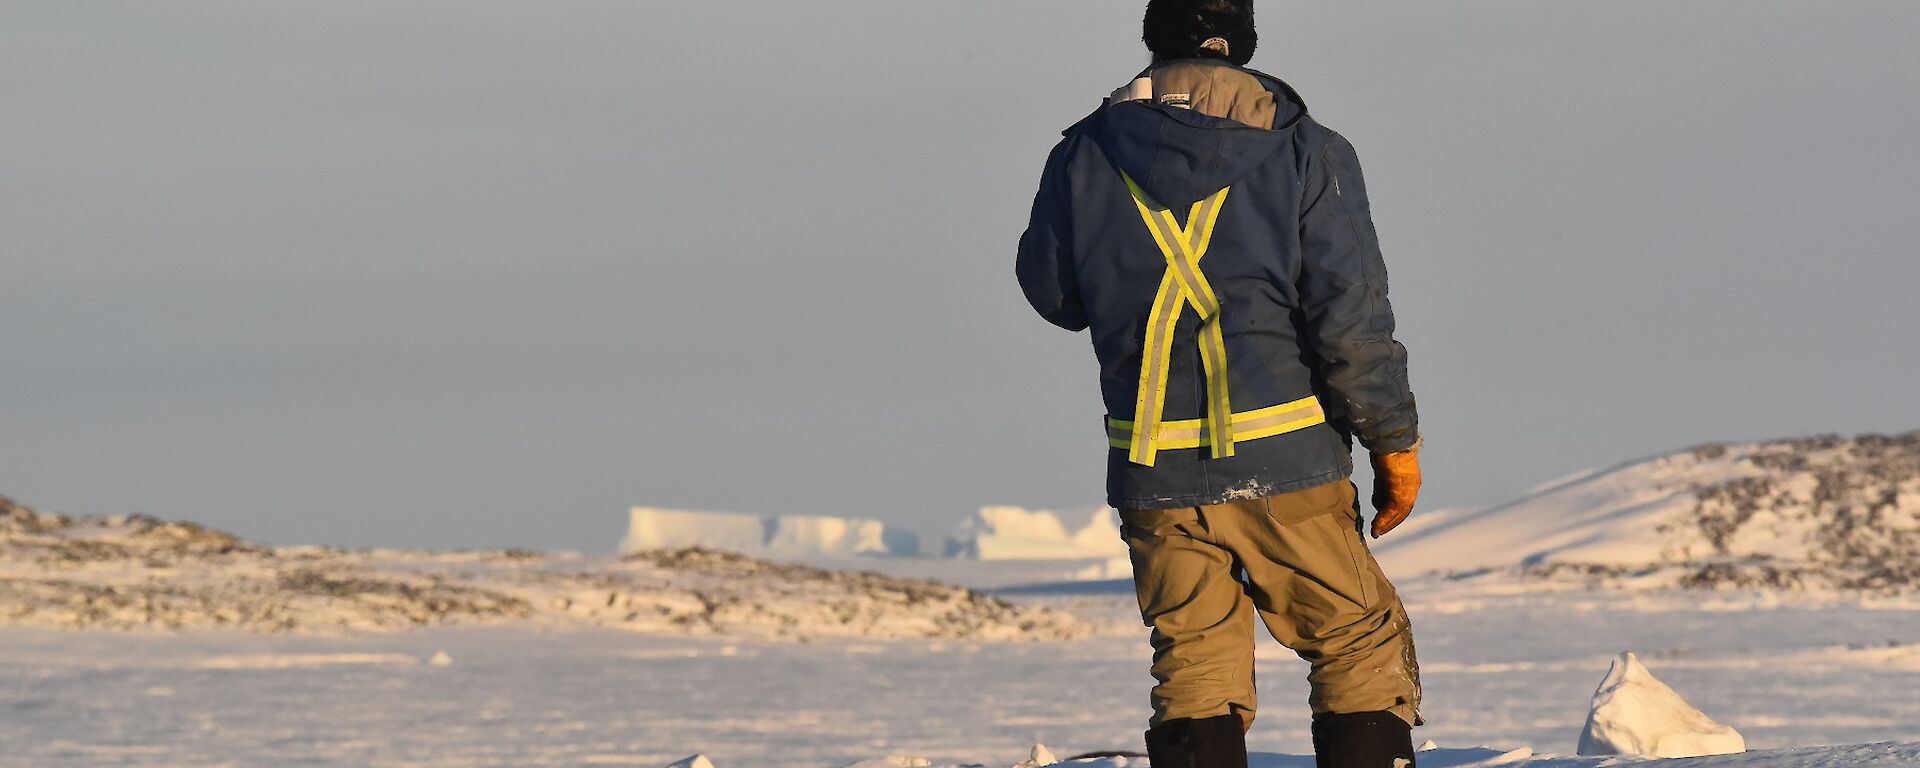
column 1294, row 261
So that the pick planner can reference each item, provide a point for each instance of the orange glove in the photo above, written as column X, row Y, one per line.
column 1396, row 483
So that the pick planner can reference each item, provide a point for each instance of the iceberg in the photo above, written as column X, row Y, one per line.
column 1012, row 533
column 783, row 536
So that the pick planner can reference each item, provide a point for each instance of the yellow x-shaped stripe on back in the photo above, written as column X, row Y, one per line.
column 1181, row 286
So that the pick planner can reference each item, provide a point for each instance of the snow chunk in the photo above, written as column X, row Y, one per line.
column 1636, row 714
column 894, row 761
column 440, row 659
column 1038, row 757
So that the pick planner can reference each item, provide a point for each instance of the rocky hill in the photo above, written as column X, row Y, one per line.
column 1816, row 513
column 137, row 572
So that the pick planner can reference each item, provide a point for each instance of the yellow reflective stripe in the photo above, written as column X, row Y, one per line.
column 1182, row 443
column 1156, row 358
column 1198, row 237
column 1213, row 342
column 1308, row 404
column 1249, row 425
column 1212, row 216
column 1183, row 247
column 1281, row 428
column 1156, row 350
column 1185, row 266
column 1213, row 357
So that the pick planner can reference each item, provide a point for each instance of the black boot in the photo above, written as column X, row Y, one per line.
column 1362, row 740
column 1212, row 742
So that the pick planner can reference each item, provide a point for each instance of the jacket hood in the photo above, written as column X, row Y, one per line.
column 1181, row 155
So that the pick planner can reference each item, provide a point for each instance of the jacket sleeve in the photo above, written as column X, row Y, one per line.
column 1343, row 292
column 1045, row 263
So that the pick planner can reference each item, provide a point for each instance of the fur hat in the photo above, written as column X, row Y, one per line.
column 1180, row 29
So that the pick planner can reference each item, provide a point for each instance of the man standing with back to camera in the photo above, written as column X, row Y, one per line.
column 1218, row 243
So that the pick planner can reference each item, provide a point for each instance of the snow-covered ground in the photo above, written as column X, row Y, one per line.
column 142, row 573
column 1508, row 671
column 1773, row 586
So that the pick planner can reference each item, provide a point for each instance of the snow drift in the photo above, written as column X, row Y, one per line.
column 1828, row 511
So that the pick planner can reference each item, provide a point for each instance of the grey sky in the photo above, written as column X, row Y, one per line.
column 464, row 274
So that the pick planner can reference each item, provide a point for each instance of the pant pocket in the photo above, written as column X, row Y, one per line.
column 1306, row 504
column 1314, row 534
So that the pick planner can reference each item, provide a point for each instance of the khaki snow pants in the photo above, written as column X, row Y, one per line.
column 1298, row 560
